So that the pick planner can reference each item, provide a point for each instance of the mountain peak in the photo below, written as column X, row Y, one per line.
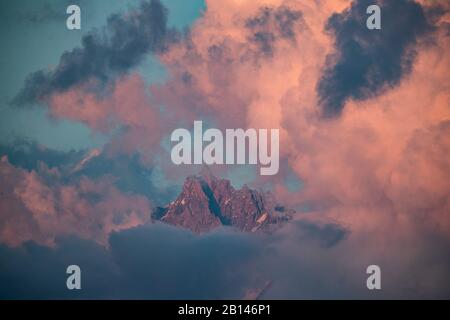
column 207, row 202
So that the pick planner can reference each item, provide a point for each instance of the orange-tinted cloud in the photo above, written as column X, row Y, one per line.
column 381, row 165
column 361, row 168
column 242, row 56
column 126, row 108
column 384, row 164
column 37, row 206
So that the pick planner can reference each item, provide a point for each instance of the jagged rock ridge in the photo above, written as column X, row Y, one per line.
column 207, row 202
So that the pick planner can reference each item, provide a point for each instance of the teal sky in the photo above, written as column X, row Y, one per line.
column 33, row 37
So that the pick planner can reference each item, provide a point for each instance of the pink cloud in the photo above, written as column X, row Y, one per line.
column 37, row 206
column 126, row 107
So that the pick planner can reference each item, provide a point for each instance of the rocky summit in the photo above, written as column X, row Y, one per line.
column 207, row 202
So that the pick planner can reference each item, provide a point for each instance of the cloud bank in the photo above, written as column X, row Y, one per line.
column 375, row 170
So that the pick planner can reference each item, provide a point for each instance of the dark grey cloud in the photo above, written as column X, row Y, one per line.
column 158, row 261
column 38, row 272
column 369, row 61
column 28, row 154
column 121, row 45
column 149, row 262
column 327, row 235
column 164, row 262
column 271, row 24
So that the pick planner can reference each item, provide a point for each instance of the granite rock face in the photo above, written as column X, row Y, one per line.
column 207, row 202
